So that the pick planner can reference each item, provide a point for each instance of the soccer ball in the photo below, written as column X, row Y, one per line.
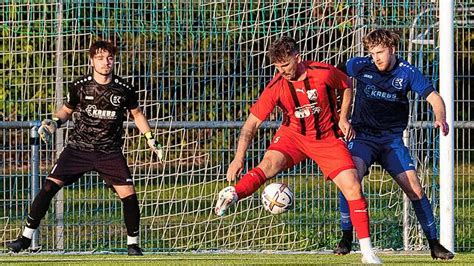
column 277, row 198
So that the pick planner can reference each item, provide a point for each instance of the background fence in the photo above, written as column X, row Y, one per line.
column 198, row 66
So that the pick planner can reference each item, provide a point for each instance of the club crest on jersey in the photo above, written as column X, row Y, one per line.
column 397, row 83
column 312, row 95
column 92, row 111
column 115, row 100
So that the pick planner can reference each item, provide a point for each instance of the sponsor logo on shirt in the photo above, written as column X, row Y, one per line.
column 372, row 92
column 307, row 109
column 88, row 97
column 368, row 76
column 92, row 111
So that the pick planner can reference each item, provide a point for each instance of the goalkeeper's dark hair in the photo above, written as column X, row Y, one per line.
column 382, row 37
column 281, row 49
column 104, row 46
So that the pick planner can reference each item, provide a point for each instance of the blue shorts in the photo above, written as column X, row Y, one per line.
column 388, row 150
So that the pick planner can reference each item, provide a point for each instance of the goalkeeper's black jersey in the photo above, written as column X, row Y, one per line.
column 99, row 112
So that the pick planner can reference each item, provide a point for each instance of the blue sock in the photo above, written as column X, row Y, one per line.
column 424, row 213
column 346, row 223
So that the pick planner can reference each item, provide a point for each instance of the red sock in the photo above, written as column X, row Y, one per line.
column 250, row 183
column 360, row 217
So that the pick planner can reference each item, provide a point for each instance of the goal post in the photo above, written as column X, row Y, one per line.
column 446, row 81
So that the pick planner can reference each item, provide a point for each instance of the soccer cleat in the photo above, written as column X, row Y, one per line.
column 226, row 197
column 134, row 250
column 371, row 258
column 343, row 247
column 18, row 245
column 438, row 251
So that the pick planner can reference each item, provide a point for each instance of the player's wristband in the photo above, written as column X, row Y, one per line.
column 148, row 135
column 58, row 121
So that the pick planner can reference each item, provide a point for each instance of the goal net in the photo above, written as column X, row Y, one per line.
column 198, row 66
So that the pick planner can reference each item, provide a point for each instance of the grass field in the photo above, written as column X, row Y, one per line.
column 226, row 259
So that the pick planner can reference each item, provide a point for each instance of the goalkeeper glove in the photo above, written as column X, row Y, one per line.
column 48, row 127
column 154, row 145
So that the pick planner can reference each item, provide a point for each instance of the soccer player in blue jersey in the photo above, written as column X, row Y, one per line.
column 379, row 118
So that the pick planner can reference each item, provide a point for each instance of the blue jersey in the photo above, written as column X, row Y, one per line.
column 381, row 102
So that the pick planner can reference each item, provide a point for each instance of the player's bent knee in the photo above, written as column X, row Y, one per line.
column 50, row 186
column 349, row 184
column 272, row 163
column 415, row 194
column 55, row 181
column 124, row 191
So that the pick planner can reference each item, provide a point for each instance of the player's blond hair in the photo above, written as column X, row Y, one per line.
column 281, row 49
column 382, row 37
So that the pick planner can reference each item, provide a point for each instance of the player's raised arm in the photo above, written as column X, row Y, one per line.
column 440, row 112
column 246, row 135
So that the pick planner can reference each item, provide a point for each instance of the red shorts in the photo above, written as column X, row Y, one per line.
column 331, row 154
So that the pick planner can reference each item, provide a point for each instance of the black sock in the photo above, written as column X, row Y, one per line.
column 432, row 242
column 131, row 214
column 41, row 203
column 347, row 234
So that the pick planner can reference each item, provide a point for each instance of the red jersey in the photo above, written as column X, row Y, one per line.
column 309, row 106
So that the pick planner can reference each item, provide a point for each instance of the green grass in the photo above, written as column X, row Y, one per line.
column 228, row 259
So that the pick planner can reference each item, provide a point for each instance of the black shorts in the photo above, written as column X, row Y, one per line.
column 73, row 163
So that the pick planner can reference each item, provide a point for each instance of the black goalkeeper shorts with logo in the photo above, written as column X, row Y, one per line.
column 73, row 164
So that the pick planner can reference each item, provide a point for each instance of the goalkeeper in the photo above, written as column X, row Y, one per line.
column 380, row 115
column 97, row 103
column 304, row 91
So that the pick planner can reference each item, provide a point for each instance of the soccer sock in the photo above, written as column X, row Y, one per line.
column 360, row 217
column 424, row 214
column 28, row 232
column 131, row 214
column 40, row 206
column 365, row 245
column 250, row 183
column 346, row 224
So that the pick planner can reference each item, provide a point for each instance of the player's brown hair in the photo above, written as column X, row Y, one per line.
column 383, row 37
column 102, row 45
column 282, row 48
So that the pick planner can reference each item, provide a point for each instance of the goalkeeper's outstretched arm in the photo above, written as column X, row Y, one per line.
column 142, row 124
column 246, row 135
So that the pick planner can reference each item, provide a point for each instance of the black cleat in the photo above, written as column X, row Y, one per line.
column 134, row 250
column 344, row 247
column 18, row 245
column 438, row 251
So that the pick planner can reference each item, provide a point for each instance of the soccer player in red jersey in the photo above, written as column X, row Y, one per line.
column 304, row 91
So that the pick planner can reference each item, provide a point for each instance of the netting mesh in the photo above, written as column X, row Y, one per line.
column 205, row 62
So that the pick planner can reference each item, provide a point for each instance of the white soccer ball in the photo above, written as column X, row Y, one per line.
column 277, row 198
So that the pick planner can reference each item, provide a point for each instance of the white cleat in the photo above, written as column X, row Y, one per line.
column 371, row 258
column 227, row 197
